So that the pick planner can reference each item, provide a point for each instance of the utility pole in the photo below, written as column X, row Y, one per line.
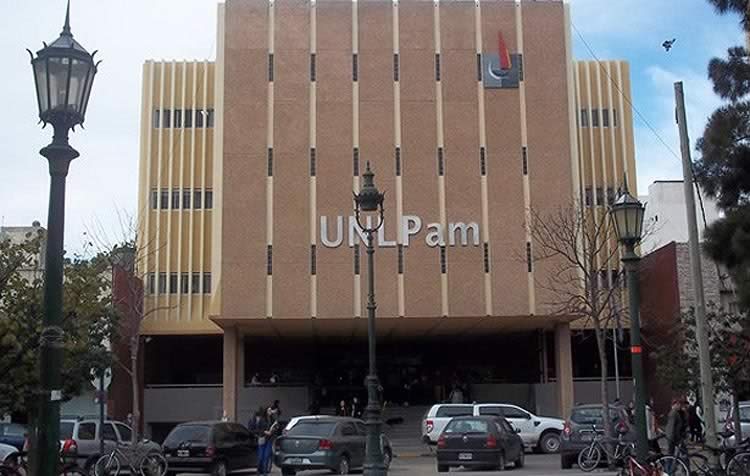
column 701, row 333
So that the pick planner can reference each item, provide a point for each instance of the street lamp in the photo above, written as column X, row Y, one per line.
column 369, row 199
column 627, row 215
column 63, row 74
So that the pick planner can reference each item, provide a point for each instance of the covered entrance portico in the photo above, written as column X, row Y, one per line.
column 317, row 362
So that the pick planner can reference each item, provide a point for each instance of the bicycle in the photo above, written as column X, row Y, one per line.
column 137, row 461
column 21, row 467
column 731, row 461
column 656, row 466
column 590, row 457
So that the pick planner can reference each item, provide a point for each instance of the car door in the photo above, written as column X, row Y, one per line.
column 512, row 443
column 225, row 445
column 352, row 443
column 522, row 420
column 87, row 439
column 110, row 436
column 125, row 432
column 362, row 439
column 246, row 453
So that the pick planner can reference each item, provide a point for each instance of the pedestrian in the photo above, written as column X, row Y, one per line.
column 260, row 426
column 342, row 409
column 276, row 409
column 274, row 378
column 456, row 395
column 274, row 431
column 631, row 412
column 652, row 428
column 355, row 410
column 694, row 422
column 256, row 379
column 674, row 432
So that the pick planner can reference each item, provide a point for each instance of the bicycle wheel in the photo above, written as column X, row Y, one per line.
column 671, row 466
column 589, row 458
column 154, row 464
column 739, row 465
column 107, row 465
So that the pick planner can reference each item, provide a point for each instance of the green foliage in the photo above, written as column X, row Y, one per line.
column 729, row 348
column 733, row 6
column 89, row 322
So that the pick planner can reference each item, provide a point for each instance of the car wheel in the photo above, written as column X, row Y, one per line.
column 520, row 461
column 387, row 458
column 550, row 442
column 219, row 469
column 442, row 468
column 288, row 471
column 501, row 462
column 343, row 467
column 566, row 462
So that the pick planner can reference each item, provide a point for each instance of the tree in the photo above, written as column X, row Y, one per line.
column 88, row 323
column 581, row 247
column 729, row 347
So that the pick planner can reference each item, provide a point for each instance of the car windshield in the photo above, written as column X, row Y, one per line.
column 590, row 416
column 312, row 428
column 467, row 426
column 192, row 433
column 66, row 430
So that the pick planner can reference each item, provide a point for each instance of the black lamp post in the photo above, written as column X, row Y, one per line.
column 627, row 214
column 369, row 199
column 63, row 74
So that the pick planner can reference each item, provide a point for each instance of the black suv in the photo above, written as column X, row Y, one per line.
column 215, row 447
column 585, row 421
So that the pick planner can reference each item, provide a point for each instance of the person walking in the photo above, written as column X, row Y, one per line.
column 355, row 410
column 674, row 431
column 259, row 426
column 695, row 423
column 342, row 409
column 652, row 428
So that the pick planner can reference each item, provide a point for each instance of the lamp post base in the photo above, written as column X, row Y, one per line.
column 374, row 463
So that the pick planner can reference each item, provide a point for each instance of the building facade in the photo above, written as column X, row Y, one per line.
column 471, row 114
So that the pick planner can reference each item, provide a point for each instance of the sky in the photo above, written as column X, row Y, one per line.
column 102, row 183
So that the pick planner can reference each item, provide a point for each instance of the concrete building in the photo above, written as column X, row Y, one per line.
column 471, row 115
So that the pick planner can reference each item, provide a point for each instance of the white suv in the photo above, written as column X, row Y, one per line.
column 540, row 433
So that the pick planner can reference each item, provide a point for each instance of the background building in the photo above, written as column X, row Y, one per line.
column 470, row 114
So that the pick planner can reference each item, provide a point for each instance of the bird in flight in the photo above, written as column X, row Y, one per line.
column 668, row 44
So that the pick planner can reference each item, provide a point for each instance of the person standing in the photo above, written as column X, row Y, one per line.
column 674, row 430
column 342, row 409
column 652, row 429
column 259, row 426
column 355, row 410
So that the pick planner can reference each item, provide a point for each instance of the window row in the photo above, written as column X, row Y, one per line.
column 182, row 118
column 184, row 199
column 595, row 115
column 612, row 194
column 611, row 278
column 186, row 283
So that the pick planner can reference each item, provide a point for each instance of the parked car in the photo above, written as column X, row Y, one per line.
column 13, row 434
column 79, row 439
column 537, row 433
column 744, row 422
column 585, row 421
column 479, row 441
column 212, row 447
column 324, row 442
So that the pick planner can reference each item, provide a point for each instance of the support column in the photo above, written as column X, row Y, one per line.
column 564, row 367
column 230, row 378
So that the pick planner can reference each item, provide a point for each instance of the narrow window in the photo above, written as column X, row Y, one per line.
column 165, row 199
column 208, row 200
column 610, row 195
column 355, row 68
column 595, row 118
column 615, row 275
column 178, row 118
column 166, row 118
column 175, row 199
column 479, row 66
column 398, row 161
column 584, row 117
column 312, row 162
column 195, row 283
column 269, row 260
column 395, row 66
column 151, row 283
column 197, row 202
column 482, row 161
column 206, row 283
column 154, row 199
column 162, row 283
column 172, row 283
column 441, row 163
column 442, row 260
column 313, row 261
column 589, row 197
column 199, row 118
column 184, row 283
column 270, row 67
column 209, row 117
column 400, row 259
column 614, row 117
column 270, row 161
column 525, row 159
column 356, row 259
column 486, row 257
column 312, row 67
column 186, row 199
column 528, row 256
column 188, row 118
column 605, row 117
column 604, row 278
column 156, row 118
column 437, row 66
column 355, row 160
column 599, row 196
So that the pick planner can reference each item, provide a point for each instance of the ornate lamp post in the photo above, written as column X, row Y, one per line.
column 63, row 74
column 627, row 214
column 369, row 199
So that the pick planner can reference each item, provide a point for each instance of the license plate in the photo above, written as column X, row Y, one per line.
column 297, row 461
column 183, row 453
column 465, row 456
